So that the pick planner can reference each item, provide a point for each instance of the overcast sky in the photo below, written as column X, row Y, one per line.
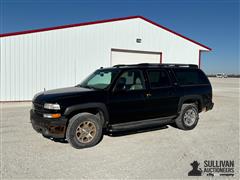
column 212, row 23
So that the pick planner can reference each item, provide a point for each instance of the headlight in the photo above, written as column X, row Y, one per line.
column 52, row 106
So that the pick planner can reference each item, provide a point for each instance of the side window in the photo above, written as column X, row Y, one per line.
column 190, row 77
column 130, row 80
column 158, row 78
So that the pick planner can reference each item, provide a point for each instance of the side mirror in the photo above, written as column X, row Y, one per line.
column 119, row 89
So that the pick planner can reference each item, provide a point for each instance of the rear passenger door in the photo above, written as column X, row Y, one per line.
column 162, row 99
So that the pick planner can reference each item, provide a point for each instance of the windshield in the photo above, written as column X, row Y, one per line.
column 100, row 79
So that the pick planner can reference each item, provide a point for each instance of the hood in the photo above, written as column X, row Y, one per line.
column 56, row 94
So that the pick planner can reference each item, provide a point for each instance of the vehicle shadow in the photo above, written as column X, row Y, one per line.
column 136, row 131
column 118, row 134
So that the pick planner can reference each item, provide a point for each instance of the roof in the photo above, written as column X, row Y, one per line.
column 102, row 21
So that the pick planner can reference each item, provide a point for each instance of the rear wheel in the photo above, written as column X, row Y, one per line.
column 84, row 130
column 188, row 117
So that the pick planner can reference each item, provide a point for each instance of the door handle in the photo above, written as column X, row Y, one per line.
column 148, row 95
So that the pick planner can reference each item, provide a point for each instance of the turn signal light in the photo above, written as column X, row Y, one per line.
column 52, row 115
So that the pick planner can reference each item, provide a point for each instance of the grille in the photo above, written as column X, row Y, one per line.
column 37, row 107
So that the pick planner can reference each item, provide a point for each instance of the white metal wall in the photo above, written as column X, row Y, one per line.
column 59, row 58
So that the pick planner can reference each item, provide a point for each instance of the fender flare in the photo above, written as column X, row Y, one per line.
column 102, row 107
column 192, row 98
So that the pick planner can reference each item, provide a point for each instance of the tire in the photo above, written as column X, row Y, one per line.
column 185, row 122
column 84, row 130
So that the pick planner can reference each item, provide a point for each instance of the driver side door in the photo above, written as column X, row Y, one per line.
column 127, row 100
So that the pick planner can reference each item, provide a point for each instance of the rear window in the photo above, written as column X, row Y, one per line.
column 190, row 76
column 158, row 78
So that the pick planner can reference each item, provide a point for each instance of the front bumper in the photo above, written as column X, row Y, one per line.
column 54, row 128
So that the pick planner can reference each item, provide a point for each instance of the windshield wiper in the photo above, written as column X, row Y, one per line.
column 86, row 86
column 89, row 87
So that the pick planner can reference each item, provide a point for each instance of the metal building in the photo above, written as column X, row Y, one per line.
column 64, row 55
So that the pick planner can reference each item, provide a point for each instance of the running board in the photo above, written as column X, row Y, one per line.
column 140, row 124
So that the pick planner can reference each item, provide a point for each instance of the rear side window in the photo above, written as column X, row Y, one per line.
column 158, row 78
column 190, row 76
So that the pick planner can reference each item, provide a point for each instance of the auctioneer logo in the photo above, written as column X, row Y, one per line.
column 212, row 168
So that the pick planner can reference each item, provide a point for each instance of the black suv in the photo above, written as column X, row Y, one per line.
column 123, row 98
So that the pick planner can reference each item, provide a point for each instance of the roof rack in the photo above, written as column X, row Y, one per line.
column 156, row 65
column 122, row 65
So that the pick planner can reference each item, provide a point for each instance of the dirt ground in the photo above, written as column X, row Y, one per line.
column 162, row 153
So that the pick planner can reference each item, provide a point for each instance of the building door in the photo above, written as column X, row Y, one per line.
column 134, row 57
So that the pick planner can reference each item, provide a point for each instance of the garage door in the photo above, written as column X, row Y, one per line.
column 134, row 57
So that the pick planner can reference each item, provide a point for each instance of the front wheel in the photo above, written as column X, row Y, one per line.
column 84, row 130
column 188, row 117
